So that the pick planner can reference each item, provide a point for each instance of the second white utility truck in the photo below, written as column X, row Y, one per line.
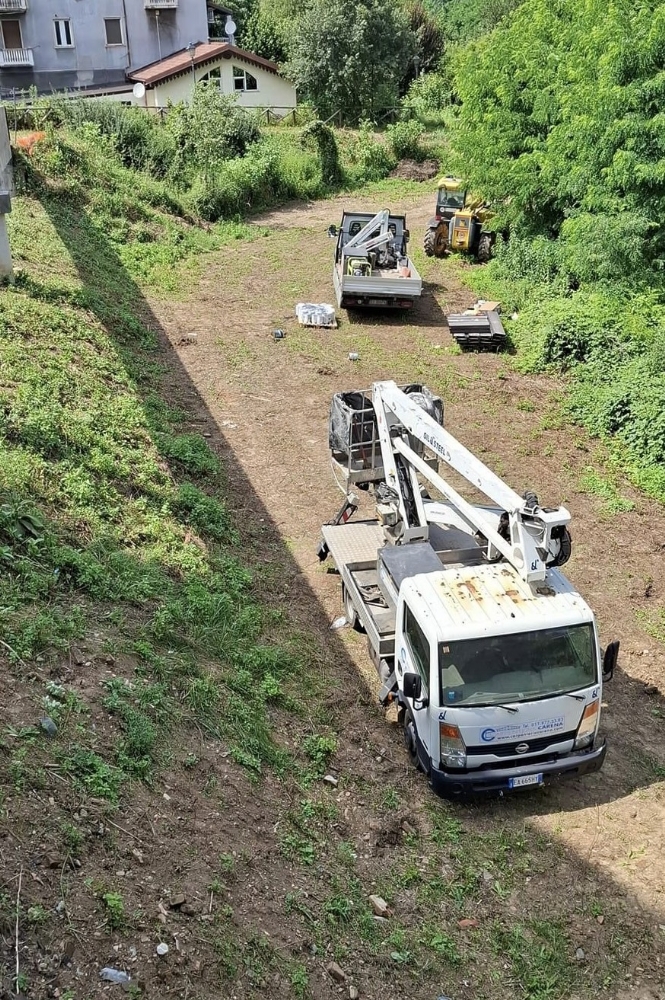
column 491, row 654
column 372, row 268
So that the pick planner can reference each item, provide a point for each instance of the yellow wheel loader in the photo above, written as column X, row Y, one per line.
column 459, row 223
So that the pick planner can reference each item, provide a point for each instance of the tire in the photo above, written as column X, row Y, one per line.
column 435, row 243
column 484, row 251
column 410, row 740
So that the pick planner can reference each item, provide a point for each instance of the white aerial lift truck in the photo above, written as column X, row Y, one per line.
column 490, row 653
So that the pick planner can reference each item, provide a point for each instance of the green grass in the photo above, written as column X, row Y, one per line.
column 611, row 502
column 102, row 491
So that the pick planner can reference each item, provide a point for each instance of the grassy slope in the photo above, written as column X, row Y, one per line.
column 122, row 563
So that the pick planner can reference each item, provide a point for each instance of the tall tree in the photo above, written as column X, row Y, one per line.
column 350, row 56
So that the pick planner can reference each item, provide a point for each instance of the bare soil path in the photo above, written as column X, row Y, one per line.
column 267, row 406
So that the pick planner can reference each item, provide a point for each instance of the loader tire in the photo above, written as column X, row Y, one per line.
column 484, row 248
column 435, row 243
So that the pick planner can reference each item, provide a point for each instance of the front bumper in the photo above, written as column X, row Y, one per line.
column 473, row 782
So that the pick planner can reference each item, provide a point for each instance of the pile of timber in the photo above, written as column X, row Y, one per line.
column 479, row 328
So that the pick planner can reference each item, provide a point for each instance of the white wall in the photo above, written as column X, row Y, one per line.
column 273, row 91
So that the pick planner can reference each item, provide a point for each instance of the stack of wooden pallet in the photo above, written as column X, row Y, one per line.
column 479, row 328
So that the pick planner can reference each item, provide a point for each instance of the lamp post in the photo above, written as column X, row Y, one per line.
column 191, row 48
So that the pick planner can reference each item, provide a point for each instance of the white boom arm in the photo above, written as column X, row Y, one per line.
column 363, row 241
column 531, row 544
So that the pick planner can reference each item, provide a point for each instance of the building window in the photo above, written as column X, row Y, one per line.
column 11, row 35
column 113, row 26
column 214, row 77
column 63, row 33
column 242, row 80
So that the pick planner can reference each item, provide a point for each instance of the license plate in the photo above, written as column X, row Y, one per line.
column 526, row 779
column 378, row 302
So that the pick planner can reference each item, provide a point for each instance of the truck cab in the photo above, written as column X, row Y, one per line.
column 499, row 681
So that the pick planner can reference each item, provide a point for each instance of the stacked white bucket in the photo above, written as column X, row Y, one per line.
column 315, row 314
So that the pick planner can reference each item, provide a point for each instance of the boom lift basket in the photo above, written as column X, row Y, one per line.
column 353, row 433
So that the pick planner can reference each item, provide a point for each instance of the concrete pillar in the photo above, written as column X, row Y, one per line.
column 6, row 191
column 6, row 265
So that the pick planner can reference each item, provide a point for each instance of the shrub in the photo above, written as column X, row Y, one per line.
column 428, row 98
column 322, row 137
column 372, row 159
column 404, row 140
column 208, row 131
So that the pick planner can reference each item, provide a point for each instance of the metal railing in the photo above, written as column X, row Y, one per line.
column 16, row 57
column 13, row 6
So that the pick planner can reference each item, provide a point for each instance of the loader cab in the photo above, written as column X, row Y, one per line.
column 451, row 197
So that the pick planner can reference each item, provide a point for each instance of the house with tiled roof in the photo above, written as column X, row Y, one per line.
column 253, row 81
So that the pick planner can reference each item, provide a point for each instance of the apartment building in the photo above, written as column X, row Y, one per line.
column 86, row 44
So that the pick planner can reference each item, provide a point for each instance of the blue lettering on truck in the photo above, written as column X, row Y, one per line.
column 541, row 727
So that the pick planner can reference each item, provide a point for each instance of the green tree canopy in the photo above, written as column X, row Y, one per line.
column 351, row 56
column 563, row 120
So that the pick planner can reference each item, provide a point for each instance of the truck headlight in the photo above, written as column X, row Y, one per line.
column 451, row 744
column 587, row 727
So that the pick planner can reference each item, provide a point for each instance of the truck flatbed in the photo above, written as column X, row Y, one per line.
column 354, row 547
column 372, row 268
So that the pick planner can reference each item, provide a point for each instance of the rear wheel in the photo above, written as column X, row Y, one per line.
column 484, row 248
column 410, row 739
column 435, row 243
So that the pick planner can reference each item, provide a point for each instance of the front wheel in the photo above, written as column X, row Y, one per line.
column 411, row 740
column 435, row 243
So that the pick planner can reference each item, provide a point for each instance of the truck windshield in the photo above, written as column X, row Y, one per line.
column 519, row 667
column 451, row 199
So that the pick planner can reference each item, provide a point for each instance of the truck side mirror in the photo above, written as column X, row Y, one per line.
column 332, row 232
column 610, row 657
column 413, row 686
column 413, row 689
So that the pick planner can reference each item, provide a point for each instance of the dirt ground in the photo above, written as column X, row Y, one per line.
column 269, row 401
column 253, row 884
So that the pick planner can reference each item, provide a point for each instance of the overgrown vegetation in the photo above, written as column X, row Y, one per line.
column 571, row 111
column 103, row 496
column 206, row 161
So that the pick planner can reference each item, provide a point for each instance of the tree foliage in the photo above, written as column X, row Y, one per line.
column 561, row 121
column 209, row 130
column 428, row 33
column 467, row 19
column 350, row 56
column 562, row 126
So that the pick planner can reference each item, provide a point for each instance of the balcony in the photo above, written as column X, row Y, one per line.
column 13, row 6
column 11, row 58
column 157, row 4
